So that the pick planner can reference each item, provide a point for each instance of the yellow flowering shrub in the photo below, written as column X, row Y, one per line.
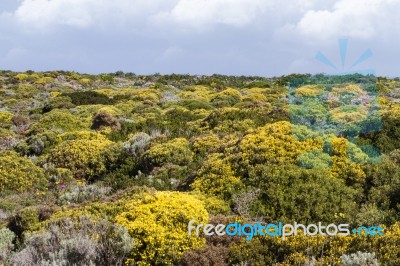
column 44, row 80
column 21, row 76
column 149, row 95
column 326, row 250
column 256, row 90
column 19, row 174
column 205, row 143
column 216, row 177
column 227, row 97
column 342, row 167
column 176, row 151
column 55, row 94
column 84, row 81
column 5, row 117
column 274, row 143
column 307, row 90
column 255, row 97
column 82, row 157
column 197, row 92
column 60, row 120
column 158, row 224
column 82, row 134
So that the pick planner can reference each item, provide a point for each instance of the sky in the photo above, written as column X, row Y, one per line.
column 233, row 37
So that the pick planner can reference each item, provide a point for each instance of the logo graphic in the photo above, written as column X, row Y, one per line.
column 343, row 44
column 340, row 104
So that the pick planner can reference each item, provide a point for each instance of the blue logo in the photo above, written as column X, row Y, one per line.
column 343, row 45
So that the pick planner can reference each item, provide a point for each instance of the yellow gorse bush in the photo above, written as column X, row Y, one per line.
column 158, row 223
column 19, row 174
column 307, row 90
column 217, row 178
column 176, row 151
column 81, row 156
column 274, row 143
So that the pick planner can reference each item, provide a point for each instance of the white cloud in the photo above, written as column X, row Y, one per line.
column 46, row 14
column 202, row 12
column 206, row 14
column 194, row 14
column 362, row 19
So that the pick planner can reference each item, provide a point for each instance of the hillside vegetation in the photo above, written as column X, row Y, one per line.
column 109, row 169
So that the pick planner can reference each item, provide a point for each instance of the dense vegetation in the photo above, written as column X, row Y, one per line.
column 109, row 169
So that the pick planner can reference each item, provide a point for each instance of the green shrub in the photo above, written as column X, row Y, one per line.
column 24, row 221
column 60, row 102
column 89, row 97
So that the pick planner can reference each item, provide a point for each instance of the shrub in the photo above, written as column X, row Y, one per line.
column 291, row 193
column 176, row 151
column 148, row 96
column 60, row 102
column 168, row 176
column 60, row 120
column 137, row 144
column 158, row 223
column 359, row 259
column 81, row 193
column 25, row 220
column 384, row 185
column 216, row 251
column 6, row 244
column 82, row 157
column 176, row 119
column 226, row 98
column 5, row 118
column 89, row 97
column 8, row 142
column 273, row 144
column 308, row 90
column 21, row 77
column 206, row 144
column 44, row 80
column 21, row 123
column 81, row 242
column 37, row 144
column 104, row 119
column 192, row 104
column 19, row 173
column 82, row 135
column 215, row 177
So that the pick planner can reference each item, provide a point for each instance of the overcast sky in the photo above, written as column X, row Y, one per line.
column 237, row 37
